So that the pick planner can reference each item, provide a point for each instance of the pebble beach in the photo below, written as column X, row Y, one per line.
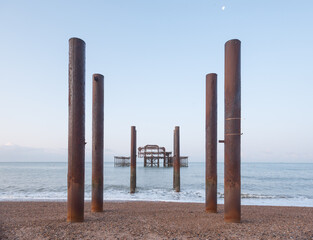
column 152, row 220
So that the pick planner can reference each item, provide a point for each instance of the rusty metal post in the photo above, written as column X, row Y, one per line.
column 211, row 144
column 232, row 182
column 133, row 160
column 97, row 142
column 173, row 158
column 176, row 164
column 135, row 154
column 76, row 131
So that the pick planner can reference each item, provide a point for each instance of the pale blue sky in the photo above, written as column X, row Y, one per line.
column 154, row 56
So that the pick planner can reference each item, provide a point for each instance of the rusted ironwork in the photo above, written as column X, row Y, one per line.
column 133, row 160
column 168, row 160
column 97, row 142
column 76, row 131
column 153, row 155
column 176, row 165
column 232, row 181
column 211, row 144
column 120, row 161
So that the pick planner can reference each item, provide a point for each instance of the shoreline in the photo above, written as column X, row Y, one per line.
column 141, row 200
column 152, row 220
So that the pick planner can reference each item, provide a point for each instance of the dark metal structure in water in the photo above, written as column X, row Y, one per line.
column 153, row 156
column 121, row 161
column 133, row 160
column 176, row 164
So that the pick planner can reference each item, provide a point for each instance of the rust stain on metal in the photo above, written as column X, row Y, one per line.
column 232, row 182
column 97, row 142
column 211, row 144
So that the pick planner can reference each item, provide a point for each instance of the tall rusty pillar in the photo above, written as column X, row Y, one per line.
column 135, row 154
column 97, row 142
column 173, row 158
column 76, row 131
column 133, row 160
column 232, row 181
column 211, row 144
column 176, row 164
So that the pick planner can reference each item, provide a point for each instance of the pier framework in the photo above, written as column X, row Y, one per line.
column 153, row 154
column 120, row 161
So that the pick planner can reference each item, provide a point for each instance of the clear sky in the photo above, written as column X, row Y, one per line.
column 154, row 56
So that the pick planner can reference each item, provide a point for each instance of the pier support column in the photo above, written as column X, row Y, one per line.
column 211, row 144
column 173, row 158
column 76, row 131
column 97, row 142
column 176, row 163
column 133, row 160
column 232, row 181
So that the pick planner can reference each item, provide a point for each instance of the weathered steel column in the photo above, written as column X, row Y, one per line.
column 173, row 158
column 97, row 142
column 176, row 163
column 76, row 131
column 133, row 160
column 135, row 154
column 211, row 144
column 232, row 182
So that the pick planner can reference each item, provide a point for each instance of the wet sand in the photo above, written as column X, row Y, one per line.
column 152, row 220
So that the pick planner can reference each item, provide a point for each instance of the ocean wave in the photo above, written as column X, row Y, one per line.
column 258, row 196
column 262, row 184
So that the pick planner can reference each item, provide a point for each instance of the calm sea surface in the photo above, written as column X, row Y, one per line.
column 283, row 184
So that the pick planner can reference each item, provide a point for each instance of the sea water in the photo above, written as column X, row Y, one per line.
column 277, row 184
